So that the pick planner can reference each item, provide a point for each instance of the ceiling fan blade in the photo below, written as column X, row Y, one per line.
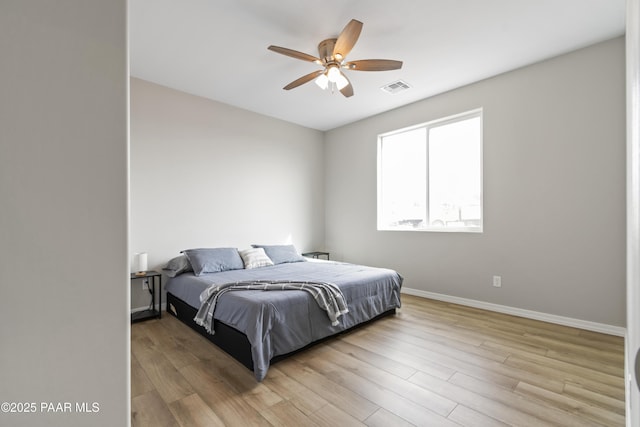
column 347, row 39
column 302, row 80
column 347, row 91
column 294, row 54
column 373, row 65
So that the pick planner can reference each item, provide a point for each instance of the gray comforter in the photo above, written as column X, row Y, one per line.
column 277, row 322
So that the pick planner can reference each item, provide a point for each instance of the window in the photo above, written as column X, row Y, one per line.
column 430, row 176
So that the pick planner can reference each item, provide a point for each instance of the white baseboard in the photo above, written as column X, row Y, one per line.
column 529, row 314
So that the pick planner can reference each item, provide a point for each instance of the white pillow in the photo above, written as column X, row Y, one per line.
column 255, row 257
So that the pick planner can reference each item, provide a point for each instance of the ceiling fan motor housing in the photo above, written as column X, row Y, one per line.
column 325, row 49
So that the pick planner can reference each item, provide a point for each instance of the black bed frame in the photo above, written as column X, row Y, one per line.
column 232, row 341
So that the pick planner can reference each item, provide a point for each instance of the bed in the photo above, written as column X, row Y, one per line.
column 259, row 327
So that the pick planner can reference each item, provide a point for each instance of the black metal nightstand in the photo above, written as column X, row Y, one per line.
column 150, row 313
column 316, row 254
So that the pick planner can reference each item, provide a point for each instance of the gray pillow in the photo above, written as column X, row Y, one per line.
column 213, row 260
column 280, row 254
column 177, row 266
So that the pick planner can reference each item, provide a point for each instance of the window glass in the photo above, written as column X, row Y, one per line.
column 430, row 176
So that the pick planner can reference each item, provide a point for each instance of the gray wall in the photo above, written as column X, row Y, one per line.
column 206, row 174
column 554, row 192
column 63, row 210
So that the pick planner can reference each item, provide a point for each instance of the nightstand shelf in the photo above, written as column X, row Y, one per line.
column 316, row 254
column 154, row 312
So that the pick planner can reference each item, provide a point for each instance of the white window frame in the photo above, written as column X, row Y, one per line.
column 427, row 125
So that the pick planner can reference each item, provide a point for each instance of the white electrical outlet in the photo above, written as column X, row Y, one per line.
column 145, row 284
column 497, row 281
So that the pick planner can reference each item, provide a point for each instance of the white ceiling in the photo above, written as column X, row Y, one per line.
column 218, row 48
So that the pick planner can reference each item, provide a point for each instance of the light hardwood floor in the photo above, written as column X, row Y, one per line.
column 431, row 364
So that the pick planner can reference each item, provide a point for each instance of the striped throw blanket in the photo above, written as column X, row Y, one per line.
column 328, row 296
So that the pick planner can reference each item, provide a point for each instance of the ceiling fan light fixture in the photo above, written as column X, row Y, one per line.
column 333, row 73
column 322, row 81
column 341, row 81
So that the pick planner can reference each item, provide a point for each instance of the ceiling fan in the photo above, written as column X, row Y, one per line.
column 332, row 54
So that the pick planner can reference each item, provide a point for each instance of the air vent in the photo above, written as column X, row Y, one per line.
column 396, row 87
